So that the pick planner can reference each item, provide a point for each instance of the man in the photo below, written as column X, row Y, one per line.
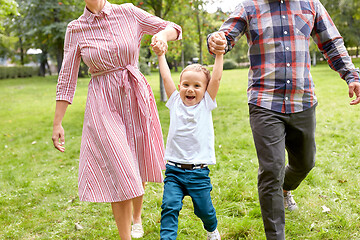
column 281, row 93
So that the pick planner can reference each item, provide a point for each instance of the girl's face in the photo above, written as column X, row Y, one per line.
column 192, row 87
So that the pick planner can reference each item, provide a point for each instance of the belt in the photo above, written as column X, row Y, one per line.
column 140, row 83
column 187, row 166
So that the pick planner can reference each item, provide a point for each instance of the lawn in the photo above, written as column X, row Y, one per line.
column 38, row 185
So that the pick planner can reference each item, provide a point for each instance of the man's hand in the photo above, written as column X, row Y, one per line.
column 217, row 43
column 354, row 87
column 158, row 45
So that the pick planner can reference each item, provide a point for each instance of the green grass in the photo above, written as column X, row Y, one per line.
column 38, row 185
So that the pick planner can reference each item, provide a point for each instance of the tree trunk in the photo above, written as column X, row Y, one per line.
column 59, row 56
column 199, row 33
column 21, row 51
column 182, row 56
column 42, row 68
column 176, row 66
column 314, row 58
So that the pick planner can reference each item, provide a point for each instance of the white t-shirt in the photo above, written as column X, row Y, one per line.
column 191, row 132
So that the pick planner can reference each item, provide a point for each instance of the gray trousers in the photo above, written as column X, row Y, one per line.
column 274, row 132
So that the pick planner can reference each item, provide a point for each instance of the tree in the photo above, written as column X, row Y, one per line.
column 160, row 8
column 346, row 16
column 43, row 24
column 8, row 8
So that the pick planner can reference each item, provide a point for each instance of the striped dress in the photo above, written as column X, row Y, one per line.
column 122, row 144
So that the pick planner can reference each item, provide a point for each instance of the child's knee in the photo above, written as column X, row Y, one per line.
column 205, row 212
column 171, row 205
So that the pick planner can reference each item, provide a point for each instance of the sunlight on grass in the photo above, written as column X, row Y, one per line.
column 38, row 185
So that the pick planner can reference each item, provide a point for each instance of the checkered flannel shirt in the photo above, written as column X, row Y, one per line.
column 278, row 34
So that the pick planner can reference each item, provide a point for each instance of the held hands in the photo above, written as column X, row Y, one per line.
column 58, row 133
column 354, row 87
column 158, row 45
column 217, row 43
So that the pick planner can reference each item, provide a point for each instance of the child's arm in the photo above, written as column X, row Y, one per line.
column 214, row 83
column 164, row 67
column 166, row 75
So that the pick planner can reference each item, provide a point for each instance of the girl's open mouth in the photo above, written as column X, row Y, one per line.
column 190, row 97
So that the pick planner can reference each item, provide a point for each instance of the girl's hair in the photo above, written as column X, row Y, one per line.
column 197, row 68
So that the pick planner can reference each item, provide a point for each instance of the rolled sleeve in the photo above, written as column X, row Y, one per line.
column 70, row 67
column 151, row 24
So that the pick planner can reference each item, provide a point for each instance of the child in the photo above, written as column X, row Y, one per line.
column 190, row 144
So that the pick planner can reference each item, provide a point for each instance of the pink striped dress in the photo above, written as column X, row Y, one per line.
column 122, row 144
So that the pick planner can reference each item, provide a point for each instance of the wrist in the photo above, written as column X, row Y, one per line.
column 56, row 124
column 162, row 36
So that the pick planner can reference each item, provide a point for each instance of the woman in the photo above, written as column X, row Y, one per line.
column 122, row 145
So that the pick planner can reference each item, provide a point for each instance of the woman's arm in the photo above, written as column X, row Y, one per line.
column 58, row 130
column 168, row 34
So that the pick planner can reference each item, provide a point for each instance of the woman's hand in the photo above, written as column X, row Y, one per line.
column 158, row 45
column 58, row 130
column 159, row 40
column 58, row 134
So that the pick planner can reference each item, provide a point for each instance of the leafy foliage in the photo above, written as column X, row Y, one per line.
column 8, row 7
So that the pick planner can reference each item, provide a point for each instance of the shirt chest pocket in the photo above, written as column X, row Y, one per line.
column 261, row 29
column 304, row 24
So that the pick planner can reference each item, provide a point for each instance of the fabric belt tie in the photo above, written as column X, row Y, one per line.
column 187, row 166
column 128, row 77
column 142, row 93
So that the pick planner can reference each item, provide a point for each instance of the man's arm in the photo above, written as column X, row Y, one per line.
column 214, row 83
column 331, row 45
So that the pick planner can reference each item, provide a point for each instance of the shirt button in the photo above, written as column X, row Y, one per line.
column 288, row 64
column 282, row 1
column 285, row 32
column 288, row 81
column 286, row 98
column 283, row 17
column 287, row 48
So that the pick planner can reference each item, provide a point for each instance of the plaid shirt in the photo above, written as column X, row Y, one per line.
column 278, row 34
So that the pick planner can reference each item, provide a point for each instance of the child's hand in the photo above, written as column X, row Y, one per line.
column 158, row 45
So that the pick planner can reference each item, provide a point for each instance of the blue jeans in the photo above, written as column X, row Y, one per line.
column 177, row 184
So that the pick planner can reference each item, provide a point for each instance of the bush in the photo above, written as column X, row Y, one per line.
column 144, row 68
column 18, row 72
column 229, row 64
